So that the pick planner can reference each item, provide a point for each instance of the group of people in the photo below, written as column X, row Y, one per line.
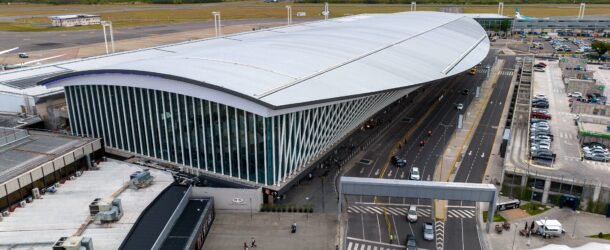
column 252, row 244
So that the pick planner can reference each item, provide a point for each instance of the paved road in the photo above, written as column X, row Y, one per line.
column 366, row 222
column 463, row 230
column 37, row 41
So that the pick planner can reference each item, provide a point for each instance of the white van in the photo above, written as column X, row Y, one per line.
column 549, row 228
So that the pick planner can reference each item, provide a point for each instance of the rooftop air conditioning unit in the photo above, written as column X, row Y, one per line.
column 78, row 173
column 5, row 213
column 57, row 184
column 36, row 193
column 73, row 243
column 22, row 203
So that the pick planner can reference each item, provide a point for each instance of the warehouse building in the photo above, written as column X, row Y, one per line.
column 262, row 106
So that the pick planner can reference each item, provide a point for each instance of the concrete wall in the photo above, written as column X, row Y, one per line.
column 232, row 199
column 53, row 112
column 590, row 109
column 583, row 86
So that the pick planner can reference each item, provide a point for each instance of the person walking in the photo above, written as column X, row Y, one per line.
column 253, row 242
column 245, row 246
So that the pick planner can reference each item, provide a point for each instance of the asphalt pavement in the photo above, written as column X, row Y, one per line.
column 366, row 221
column 474, row 163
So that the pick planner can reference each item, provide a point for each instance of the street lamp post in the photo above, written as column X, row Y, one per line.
column 515, row 235
column 575, row 221
column 289, row 12
column 217, row 23
column 108, row 24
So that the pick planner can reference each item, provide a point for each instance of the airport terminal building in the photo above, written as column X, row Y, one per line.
column 262, row 106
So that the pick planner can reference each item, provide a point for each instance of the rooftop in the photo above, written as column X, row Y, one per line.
column 295, row 65
column 29, row 152
column 62, row 213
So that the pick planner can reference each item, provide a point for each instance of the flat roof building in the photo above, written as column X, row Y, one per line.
column 262, row 106
column 74, row 20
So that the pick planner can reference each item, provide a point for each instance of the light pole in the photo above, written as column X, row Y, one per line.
column 217, row 23
column 109, row 25
column 515, row 235
column 289, row 12
column 326, row 12
column 575, row 221
column 413, row 6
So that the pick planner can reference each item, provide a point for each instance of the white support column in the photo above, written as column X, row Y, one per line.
column 144, row 124
column 413, row 6
column 203, row 135
column 108, row 24
column 196, row 132
column 236, row 117
column 133, row 134
column 158, row 127
column 172, row 117
column 153, row 144
column 212, row 136
column 167, row 142
column 247, row 145
column 128, row 148
column 188, row 133
column 138, row 124
column 222, row 163
column 229, row 141
column 116, row 125
column 254, row 135
column 104, row 104
column 264, row 149
column 179, row 130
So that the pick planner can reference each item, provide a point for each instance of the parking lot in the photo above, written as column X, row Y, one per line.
column 565, row 144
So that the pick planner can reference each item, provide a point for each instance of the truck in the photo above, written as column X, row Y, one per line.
column 549, row 228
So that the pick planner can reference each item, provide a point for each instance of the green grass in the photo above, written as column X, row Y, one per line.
column 604, row 236
column 497, row 217
column 533, row 208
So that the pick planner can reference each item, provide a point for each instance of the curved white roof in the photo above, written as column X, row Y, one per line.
column 310, row 63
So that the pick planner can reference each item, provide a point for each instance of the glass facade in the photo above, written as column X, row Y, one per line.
column 211, row 136
column 496, row 24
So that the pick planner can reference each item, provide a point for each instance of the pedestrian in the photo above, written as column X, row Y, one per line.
column 245, row 246
column 253, row 242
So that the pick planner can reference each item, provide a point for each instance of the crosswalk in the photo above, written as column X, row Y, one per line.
column 594, row 164
column 352, row 245
column 397, row 211
column 507, row 73
column 460, row 213
column 566, row 135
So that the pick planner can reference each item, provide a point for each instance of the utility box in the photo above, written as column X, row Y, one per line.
column 73, row 243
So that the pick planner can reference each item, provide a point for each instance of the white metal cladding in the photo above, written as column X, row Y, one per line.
column 317, row 62
column 214, row 137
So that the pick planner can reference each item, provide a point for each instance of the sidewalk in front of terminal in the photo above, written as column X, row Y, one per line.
column 272, row 231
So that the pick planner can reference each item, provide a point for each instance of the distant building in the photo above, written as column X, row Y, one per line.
column 74, row 20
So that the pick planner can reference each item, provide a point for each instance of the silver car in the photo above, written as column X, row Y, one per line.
column 428, row 231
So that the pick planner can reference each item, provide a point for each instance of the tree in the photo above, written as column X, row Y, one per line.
column 600, row 47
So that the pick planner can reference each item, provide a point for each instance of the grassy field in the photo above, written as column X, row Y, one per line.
column 533, row 208
column 497, row 217
column 170, row 16
column 538, row 11
column 604, row 236
column 32, row 17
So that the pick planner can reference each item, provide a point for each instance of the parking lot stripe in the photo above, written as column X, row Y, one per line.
column 378, row 210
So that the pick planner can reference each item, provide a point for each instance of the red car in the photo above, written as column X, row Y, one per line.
column 541, row 115
column 542, row 64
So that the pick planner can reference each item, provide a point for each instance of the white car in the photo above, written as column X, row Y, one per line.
column 575, row 94
column 412, row 214
column 459, row 106
column 414, row 174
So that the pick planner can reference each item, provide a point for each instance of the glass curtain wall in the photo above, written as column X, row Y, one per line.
column 211, row 136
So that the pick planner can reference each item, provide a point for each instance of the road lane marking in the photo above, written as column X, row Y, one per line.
column 375, row 242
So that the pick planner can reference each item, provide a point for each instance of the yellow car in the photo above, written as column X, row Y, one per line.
column 473, row 71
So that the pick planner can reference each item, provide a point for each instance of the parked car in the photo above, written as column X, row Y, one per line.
column 539, row 69
column 548, row 228
column 411, row 243
column 412, row 214
column 541, row 116
column 23, row 55
column 428, row 231
column 414, row 174
column 575, row 94
column 607, row 66
column 543, row 155
column 459, row 106
column 465, row 92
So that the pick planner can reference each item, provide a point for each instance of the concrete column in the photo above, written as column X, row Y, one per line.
column 547, row 187
column 524, row 180
column 596, row 191
column 88, row 159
